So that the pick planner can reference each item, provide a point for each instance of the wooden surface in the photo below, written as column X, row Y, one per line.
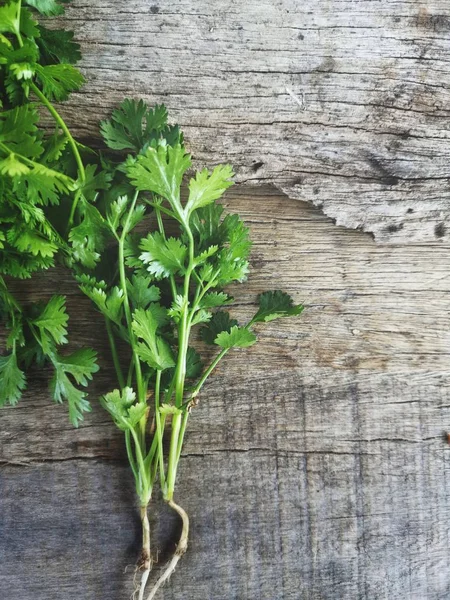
column 315, row 466
column 343, row 103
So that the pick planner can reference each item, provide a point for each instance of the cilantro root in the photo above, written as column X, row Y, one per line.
column 106, row 217
column 179, row 551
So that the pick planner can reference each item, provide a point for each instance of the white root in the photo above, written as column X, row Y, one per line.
column 179, row 551
column 146, row 560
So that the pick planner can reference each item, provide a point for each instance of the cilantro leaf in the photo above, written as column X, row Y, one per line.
column 160, row 170
column 52, row 323
column 88, row 238
column 213, row 299
column 81, row 365
column 19, row 132
column 237, row 337
column 273, row 305
column 12, row 379
column 9, row 18
column 154, row 350
column 133, row 126
column 141, row 292
column 110, row 305
column 220, row 321
column 59, row 80
column 121, row 406
column 163, row 257
column 194, row 364
column 57, row 46
column 207, row 187
column 49, row 8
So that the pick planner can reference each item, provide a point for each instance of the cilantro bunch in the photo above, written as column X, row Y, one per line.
column 154, row 261
column 42, row 180
column 158, row 275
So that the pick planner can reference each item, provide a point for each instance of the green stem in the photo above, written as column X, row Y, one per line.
column 159, row 432
column 112, row 343
column 59, row 120
column 182, row 432
column 130, row 455
column 173, row 454
column 157, row 208
column 145, row 486
column 184, row 327
column 208, row 372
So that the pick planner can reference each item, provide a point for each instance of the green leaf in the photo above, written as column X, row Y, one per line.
column 19, row 132
column 110, row 304
column 88, row 238
column 94, row 181
column 141, row 292
column 12, row 379
column 201, row 316
column 154, row 350
column 57, row 46
column 220, row 321
column 52, row 323
column 177, row 308
column 13, row 167
column 161, row 171
column 119, row 404
column 194, row 364
column 237, row 337
column 133, row 126
column 213, row 299
column 48, row 8
column 207, row 187
column 80, row 365
column 115, row 212
column 59, row 80
column 9, row 22
column 273, row 305
column 163, row 257
column 31, row 241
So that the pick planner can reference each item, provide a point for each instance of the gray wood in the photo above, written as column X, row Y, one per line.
column 314, row 467
column 343, row 103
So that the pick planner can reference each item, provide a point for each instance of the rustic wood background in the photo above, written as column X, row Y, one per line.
column 315, row 467
column 343, row 103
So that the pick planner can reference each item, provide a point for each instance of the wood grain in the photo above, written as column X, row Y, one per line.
column 342, row 103
column 315, row 466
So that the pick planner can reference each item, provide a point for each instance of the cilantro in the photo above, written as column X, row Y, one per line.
column 163, row 257
column 62, row 201
column 57, row 46
column 237, row 337
column 59, row 80
column 133, row 126
column 273, row 305
column 12, row 380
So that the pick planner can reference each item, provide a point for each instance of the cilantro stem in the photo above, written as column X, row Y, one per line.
column 144, row 483
column 173, row 453
column 159, row 431
column 112, row 343
column 60, row 121
column 126, row 303
column 162, row 231
column 130, row 455
column 184, row 327
column 208, row 372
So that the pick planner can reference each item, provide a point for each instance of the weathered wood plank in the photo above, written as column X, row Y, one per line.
column 314, row 466
column 342, row 103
